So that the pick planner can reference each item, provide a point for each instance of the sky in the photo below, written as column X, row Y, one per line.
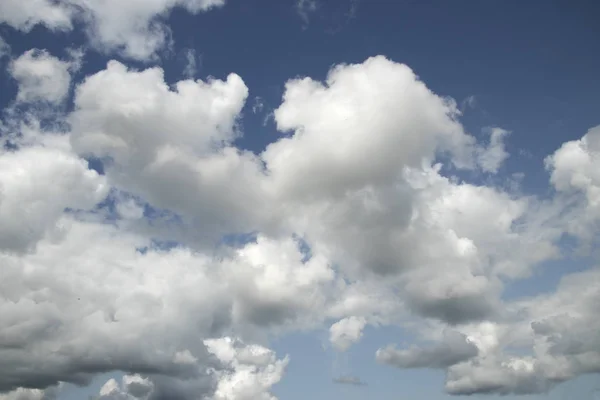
column 291, row 199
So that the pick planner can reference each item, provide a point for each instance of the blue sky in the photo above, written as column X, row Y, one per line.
column 276, row 162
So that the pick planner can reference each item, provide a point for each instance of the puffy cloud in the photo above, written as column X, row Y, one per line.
column 359, row 128
column 278, row 285
column 252, row 371
column 31, row 394
column 159, row 143
column 511, row 375
column 148, row 312
column 390, row 239
column 346, row 332
column 241, row 372
column 556, row 335
column 41, row 77
column 454, row 349
column 36, row 185
column 133, row 28
column 574, row 170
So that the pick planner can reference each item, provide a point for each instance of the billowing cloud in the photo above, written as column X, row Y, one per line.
column 158, row 143
column 350, row 218
column 36, row 185
column 245, row 372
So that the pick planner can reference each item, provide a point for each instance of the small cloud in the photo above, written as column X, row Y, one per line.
column 4, row 48
column 346, row 332
column 306, row 7
column 258, row 105
column 192, row 62
column 353, row 9
column 75, row 57
column 268, row 117
column 468, row 103
column 349, row 380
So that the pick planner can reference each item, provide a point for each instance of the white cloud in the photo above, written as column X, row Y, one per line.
column 162, row 143
column 31, row 394
column 491, row 157
column 24, row 15
column 134, row 29
column 454, row 349
column 346, row 332
column 36, row 185
column 41, row 77
column 390, row 239
column 575, row 167
column 252, row 370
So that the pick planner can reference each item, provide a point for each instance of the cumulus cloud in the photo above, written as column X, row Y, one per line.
column 244, row 372
column 454, row 349
column 159, row 143
column 348, row 217
column 134, row 29
column 36, row 185
column 346, row 332
column 41, row 77
column 574, row 168
column 24, row 15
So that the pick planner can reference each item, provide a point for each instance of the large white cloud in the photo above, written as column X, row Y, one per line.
column 107, row 306
column 172, row 147
column 354, row 222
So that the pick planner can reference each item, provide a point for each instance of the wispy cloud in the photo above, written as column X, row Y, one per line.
column 350, row 380
column 305, row 8
column 191, row 63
